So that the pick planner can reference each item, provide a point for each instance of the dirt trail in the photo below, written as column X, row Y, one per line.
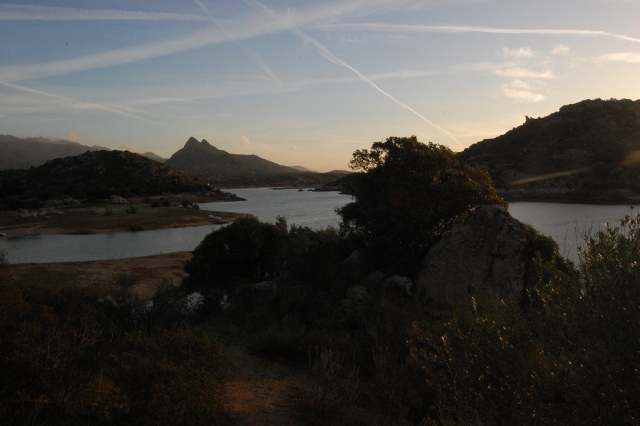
column 261, row 392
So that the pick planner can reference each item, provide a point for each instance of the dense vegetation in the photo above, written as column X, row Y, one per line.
column 587, row 147
column 97, row 174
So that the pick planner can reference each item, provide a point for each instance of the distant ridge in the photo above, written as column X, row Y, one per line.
column 22, row 153
column 303, row 169
column 154, row 157
column 585, row 152
column 205, row 161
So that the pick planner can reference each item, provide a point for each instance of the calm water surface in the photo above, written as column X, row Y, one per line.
column 563, row 222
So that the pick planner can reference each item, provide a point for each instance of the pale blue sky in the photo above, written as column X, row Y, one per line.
column 305, row 82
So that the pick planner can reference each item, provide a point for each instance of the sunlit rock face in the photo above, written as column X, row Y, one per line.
column 482, row 256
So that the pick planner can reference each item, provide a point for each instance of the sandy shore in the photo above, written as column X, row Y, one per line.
column 111, row 218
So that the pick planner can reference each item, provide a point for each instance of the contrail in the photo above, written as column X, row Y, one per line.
column 75, row 101
column 468, row 29
column 251, row 53
column 333, row 58
column 14, row 12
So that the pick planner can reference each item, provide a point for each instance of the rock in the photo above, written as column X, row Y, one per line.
column 483, row 255
column 400, row 285
column 115, row 199
column 358, row 294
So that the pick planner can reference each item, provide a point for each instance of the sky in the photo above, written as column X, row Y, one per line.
column 305, row 82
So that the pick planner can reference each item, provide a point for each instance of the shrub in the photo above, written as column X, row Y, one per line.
column 172, row 378
column 245, row 251
column 570, row 360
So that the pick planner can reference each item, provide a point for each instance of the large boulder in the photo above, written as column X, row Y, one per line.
column 482, row 256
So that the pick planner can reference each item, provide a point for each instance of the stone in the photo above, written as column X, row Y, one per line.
column 482, row 256
column 400, row 285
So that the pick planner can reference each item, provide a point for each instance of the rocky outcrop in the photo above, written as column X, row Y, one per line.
column 482, row 256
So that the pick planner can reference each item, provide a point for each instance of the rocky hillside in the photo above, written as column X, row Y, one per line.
column 205, row 161
column 585, row 152
column 96, row 174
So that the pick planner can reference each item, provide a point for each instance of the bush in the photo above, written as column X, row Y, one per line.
column 244, row 252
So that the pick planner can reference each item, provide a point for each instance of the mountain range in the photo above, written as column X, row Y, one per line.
column 22, row 153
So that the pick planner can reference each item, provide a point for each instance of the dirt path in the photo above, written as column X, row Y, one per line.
column 262, row 392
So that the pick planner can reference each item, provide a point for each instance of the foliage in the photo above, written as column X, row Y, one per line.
column 409, row 195
column 245, row 251
column 572, row 359
column 65, row 359
column 173, row 378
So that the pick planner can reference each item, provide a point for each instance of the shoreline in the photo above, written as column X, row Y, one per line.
column 132, row 216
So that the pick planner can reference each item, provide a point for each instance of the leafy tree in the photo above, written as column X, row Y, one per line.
column 409, row 194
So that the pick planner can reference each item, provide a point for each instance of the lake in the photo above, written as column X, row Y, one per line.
column 563, row 222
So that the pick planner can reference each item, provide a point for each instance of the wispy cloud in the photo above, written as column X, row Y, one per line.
column 294, row 148
column 629, row 57
column 471, row 29
column 244, row 141
column 518, row 72
column 560, row 49
column 240, row 28
column 76, row 102
column 334, row 59
column 48, row 13
column 254, row 55
column 522, row 52
column 516, row 93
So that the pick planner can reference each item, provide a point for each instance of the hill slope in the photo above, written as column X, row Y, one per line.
column 22, row 153
column 585, row 152
column 205, row 161
column 97, row 174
